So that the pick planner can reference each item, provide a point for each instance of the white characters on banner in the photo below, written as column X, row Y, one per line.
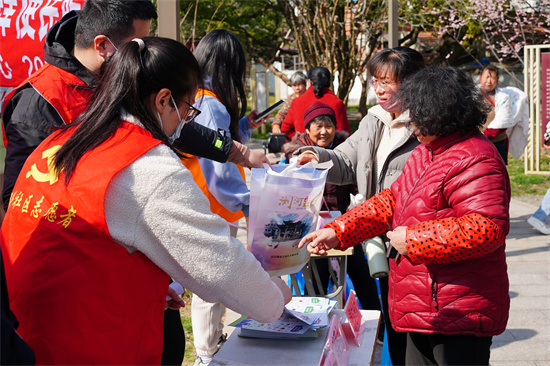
column 33, row 65
column 5, row 69
column 48, row 16
column 22, row 22
column 8, row 10
column 23, row 28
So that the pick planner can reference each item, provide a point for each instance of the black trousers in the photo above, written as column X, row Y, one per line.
column 364, row 284
column 173, row 340
column 502, row 148
column 439, row 349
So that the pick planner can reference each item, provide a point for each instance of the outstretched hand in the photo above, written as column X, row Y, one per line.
column 242, row 155
column 320, row 241
column 255, row 159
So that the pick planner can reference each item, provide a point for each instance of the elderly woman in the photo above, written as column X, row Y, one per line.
column 450, row 214
column 321, row 131
column 320, row 122
column 298, row 83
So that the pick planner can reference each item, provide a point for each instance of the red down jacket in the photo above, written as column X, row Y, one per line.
column 453, row 197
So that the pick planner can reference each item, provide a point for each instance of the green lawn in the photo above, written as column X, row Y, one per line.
column 529, row 184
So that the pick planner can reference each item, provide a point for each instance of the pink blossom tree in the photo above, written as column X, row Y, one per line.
column 504, row 26
column 498, row 29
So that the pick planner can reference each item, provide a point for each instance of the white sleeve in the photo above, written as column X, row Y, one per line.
column 154, row 206
column 504, row 116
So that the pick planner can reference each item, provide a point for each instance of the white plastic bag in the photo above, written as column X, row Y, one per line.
column 284, row 207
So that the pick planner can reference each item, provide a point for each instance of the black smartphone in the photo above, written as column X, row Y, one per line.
column 264, row 113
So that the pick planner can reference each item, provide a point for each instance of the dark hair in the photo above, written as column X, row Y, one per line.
column 490, row 67
column 131, row 77
column 111, row 18
column 221, row 58
column 397, row 62
column 322, row 119
column 442, row 101
column 320, row 78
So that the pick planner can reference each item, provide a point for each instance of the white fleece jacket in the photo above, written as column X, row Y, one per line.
column 154, row 206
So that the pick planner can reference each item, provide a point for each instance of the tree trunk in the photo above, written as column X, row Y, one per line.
column 363, row 99
column 273, row 70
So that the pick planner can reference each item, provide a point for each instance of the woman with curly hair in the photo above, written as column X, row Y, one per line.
column 449, row 211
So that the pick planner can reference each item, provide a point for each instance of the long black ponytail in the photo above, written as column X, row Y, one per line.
column 320, row 78
column 134, row 73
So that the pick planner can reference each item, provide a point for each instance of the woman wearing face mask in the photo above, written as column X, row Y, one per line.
column 375, row 154
column 110, row 211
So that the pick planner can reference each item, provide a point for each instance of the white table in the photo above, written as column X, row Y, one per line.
column 238, row 351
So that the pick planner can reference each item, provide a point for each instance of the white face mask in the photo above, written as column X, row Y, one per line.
column 111, row 42
column 179, row 127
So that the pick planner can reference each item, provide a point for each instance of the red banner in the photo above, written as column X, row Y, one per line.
column 23, row 27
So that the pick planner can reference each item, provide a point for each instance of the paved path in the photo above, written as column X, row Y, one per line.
column 526, row 340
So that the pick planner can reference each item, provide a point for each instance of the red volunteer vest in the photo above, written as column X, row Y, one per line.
column 192, row 163
column 80, row 297
column 63, row 90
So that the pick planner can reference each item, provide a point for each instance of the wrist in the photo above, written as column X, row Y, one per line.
column 238, row 153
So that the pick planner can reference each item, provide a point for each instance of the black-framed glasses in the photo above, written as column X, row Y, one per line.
column 380, row 83
column 192, row 113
